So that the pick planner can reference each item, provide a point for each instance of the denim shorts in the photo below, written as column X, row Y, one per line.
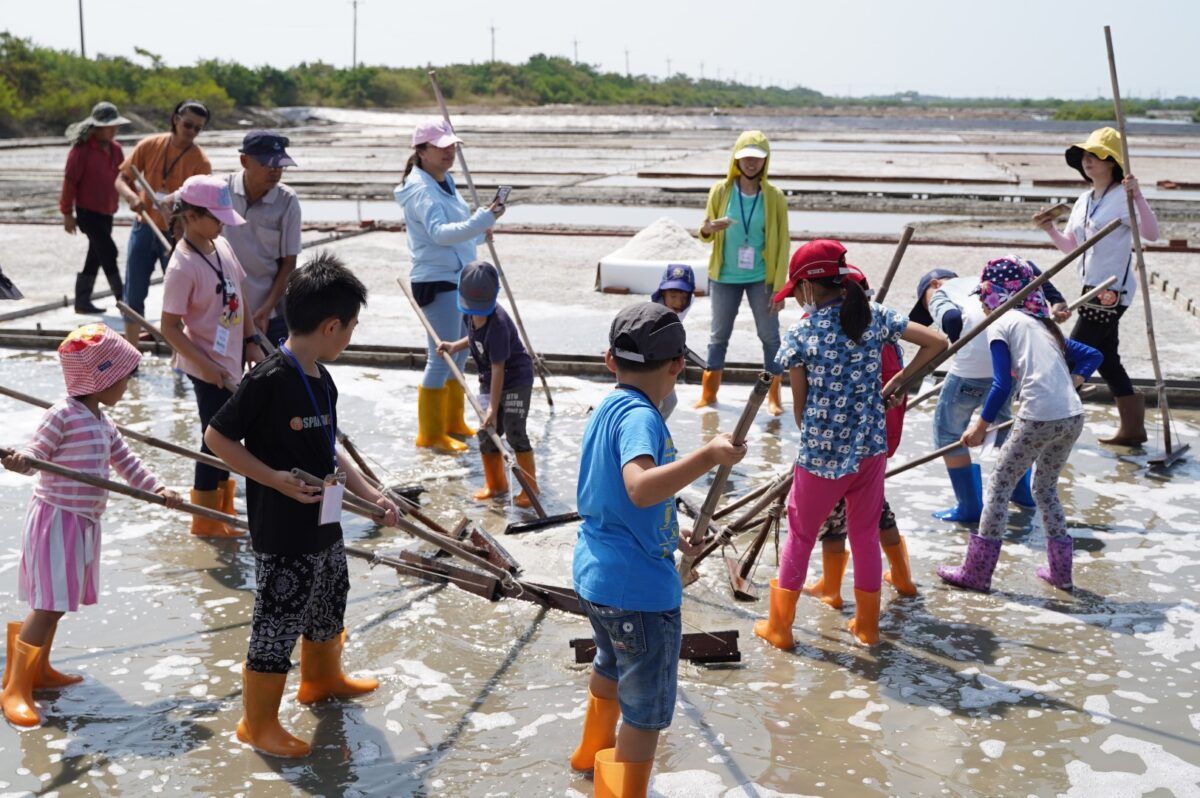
column 956, row 406
column 640, row 652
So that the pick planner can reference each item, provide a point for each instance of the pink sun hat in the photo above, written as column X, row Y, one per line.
column 211, row 193
column 436, row 132
column 95, row 358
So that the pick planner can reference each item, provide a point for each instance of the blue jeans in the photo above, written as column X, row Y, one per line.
column 640, row 652
column 726, row 300
column 143, row 251
column 957, row 403
column 447, row 321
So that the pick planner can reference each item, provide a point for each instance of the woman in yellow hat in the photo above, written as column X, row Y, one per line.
column 1099, row 161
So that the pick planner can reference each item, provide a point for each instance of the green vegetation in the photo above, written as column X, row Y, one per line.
column 43, row 90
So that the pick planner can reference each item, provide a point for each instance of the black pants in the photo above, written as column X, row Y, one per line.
column 510, row 421
column 209, row 399
column 296, row 594
column 101, row 254
column 1104, row 336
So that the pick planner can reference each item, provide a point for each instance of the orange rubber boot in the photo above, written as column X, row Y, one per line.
column 321, row 673
column 865, row 623
column 228, row 490
column 599, row 731
column 207, row 527
column 526, row 463
column 774, row 404
column 829, row 587
column 777, row 628
column 899, row 575
column 615, row 779
column 710, row 383
column 259, row 726
column 17, row 698
column 456, row 421
column 495, row 481
column 46, row 677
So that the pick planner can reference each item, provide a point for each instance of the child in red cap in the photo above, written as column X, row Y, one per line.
column 60, row 554
column 834, row 359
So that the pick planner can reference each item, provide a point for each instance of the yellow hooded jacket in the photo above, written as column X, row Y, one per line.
column 778, row 243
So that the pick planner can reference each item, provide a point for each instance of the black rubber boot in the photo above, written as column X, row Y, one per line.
column 83, row 294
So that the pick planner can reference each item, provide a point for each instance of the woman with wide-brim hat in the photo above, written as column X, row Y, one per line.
column 88, row 200
column 1099, row 161
column 443, row 234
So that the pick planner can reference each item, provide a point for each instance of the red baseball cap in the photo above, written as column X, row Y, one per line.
column 815, row 260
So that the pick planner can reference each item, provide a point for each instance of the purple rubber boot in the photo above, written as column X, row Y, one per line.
column 976, row 571
column 1058, row 558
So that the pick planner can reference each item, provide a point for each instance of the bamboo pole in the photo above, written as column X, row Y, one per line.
column 146, row 220
column 901, row 247
column 1143, row 280
column 538, row 364
column 227, row 380
column 927, row 458
column 749, row 496
column 126, row 490
column 520, row 476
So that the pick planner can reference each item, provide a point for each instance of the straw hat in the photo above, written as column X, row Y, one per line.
column 1103, row 143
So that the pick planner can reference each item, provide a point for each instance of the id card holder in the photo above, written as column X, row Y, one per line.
column 745, row 257
column 332, row 493
column 221, row 340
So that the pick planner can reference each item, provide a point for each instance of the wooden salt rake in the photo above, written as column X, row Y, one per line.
column 741, row 570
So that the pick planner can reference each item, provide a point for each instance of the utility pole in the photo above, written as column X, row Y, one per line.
column 701, row 70
column 668, row 69
column 354, row 45
column 575, row 44
column 627, row 72
column 82, row 49
column 493, row 29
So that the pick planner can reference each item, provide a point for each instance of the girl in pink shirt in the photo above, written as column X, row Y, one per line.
column 60, row 554
column 207, row 323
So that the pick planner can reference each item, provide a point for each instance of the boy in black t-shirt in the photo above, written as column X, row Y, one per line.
column 286, row 412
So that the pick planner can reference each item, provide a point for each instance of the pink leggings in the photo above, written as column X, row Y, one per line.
column 812, row 499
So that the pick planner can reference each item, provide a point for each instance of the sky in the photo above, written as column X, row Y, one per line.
column 962, row 48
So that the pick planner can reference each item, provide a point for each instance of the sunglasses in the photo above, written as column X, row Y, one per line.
column 192, row 126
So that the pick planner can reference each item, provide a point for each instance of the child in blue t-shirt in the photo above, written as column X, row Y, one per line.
column 624, row 565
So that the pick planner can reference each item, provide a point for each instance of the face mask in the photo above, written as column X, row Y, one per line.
column 808, row 308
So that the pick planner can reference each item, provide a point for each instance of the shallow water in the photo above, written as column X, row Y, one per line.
column 1023, row 691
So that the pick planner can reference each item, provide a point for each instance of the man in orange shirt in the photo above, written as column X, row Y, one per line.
column 165, row 160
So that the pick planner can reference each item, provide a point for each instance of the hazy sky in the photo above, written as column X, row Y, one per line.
column 951, row 47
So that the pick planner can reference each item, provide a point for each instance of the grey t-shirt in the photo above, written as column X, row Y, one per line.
column 271, row 232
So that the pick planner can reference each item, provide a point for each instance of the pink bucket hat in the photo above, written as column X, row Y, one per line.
column 95, row 358
column 436, row 132
column 211, row 193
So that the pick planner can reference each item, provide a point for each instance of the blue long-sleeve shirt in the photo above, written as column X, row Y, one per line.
column 443, row 233
column 1081, row 359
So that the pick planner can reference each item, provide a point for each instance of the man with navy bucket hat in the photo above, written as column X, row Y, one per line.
column 268, row 244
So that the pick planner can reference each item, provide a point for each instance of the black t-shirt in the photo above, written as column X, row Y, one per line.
column 273, row 414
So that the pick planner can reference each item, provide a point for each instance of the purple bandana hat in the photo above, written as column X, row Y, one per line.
column 1003, row 277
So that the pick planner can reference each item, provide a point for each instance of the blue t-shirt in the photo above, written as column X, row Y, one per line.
column 749, row 228
column 625, row 555
column 844, row 414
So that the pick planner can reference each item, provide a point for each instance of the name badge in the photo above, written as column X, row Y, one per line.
column 221, row 340
column 745, row 257
column 332, row 493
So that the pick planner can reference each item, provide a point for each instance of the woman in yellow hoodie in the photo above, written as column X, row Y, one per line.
column 746, row 222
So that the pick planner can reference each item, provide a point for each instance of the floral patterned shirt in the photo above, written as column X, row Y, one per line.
column 844, row 414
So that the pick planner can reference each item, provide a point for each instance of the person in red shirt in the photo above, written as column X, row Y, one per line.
column 89, row 198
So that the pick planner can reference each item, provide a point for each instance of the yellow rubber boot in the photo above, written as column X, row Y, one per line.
column 777, row 628
column 599, row 731
column 525, row 463
column 207, row 527
column 456, row 420
column 17, row 698
column 615, row 779
column 321, row 673
column 829, row 587
column 899, row 575
column 228, row 490
column 774, row 404
column 495, row 481
column 259, row 726
column 865, row 623
column 46, row 677
column 710, row 383
column 431, row 422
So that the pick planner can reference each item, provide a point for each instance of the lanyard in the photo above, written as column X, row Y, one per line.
column 742, row 211
column 218, row 270
column 332, row 436
column 1091, row 211
column 167, row 167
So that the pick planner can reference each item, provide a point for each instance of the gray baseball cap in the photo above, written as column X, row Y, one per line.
column 478, row 288
column 647, row 332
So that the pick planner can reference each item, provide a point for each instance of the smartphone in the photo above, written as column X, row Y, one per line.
column 502, row 195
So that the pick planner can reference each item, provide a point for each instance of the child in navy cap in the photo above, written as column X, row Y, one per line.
column 675, row 291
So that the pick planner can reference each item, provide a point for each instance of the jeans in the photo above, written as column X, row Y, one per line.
column 209, row 399
column 102, row 252
column 511, row 420
column 726, row 300
column 447, row 321
column 957, row 403
column 640, row 652
column 144, row 250
column 1106, row 338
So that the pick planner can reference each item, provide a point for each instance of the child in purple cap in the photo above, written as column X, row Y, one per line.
column 1050, row 369
column 207, row 323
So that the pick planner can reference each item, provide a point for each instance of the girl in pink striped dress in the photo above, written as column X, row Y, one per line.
column 60, row 555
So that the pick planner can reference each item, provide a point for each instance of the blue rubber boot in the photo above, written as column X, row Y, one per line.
column 968, row 491
column 1022, row 494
